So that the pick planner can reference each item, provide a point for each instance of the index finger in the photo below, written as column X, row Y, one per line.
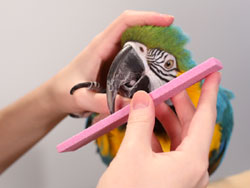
column 201, row 128
column 111, row 36
column 132, row 18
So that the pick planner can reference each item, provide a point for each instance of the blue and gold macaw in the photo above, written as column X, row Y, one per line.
column 150, row 57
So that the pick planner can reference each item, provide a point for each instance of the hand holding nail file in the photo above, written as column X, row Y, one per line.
column 159, row 95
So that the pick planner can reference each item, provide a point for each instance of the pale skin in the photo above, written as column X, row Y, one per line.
column 26, row 121
column 141, row 163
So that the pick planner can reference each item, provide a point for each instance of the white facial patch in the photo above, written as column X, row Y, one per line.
column 160, row 66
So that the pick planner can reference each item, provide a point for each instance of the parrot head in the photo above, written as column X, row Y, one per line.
column 150, row 57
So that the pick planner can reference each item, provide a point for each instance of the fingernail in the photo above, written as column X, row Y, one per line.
column 170, row 16
column 167, row 15
column 140, row 100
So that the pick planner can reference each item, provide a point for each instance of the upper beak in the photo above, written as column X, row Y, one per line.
column 125, row 76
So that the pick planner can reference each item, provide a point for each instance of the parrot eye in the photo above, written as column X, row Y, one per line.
column 141, row 49
column 169, row 64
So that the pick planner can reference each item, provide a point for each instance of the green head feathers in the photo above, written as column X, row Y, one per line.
column 170, row 39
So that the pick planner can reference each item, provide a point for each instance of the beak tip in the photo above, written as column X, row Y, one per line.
column 112, row 111
column 111, row 101
column 111, row 108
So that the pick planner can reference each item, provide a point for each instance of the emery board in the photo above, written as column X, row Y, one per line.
column 159, row 95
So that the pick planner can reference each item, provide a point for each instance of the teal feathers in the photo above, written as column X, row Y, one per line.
column 225, row 120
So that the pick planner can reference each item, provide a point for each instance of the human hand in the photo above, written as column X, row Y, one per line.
column 86, row 66
column 139, row 161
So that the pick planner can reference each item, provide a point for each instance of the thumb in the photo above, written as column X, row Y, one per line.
column 140, row 122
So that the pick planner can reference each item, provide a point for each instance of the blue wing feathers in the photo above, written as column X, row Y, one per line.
column 225, row 120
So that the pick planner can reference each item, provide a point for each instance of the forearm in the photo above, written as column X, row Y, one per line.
column 25, row 122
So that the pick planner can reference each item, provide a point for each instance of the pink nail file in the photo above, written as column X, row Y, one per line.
column 159, row 95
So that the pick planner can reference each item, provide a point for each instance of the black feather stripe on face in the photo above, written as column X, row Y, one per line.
column 156, row 59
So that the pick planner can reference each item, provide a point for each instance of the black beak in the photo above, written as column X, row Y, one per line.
column 125, row 76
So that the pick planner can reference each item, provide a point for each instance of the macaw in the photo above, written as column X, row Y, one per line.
column 150, row 57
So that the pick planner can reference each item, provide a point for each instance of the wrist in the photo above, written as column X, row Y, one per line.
column 47, row 99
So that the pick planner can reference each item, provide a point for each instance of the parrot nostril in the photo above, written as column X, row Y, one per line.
column 141, row 49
